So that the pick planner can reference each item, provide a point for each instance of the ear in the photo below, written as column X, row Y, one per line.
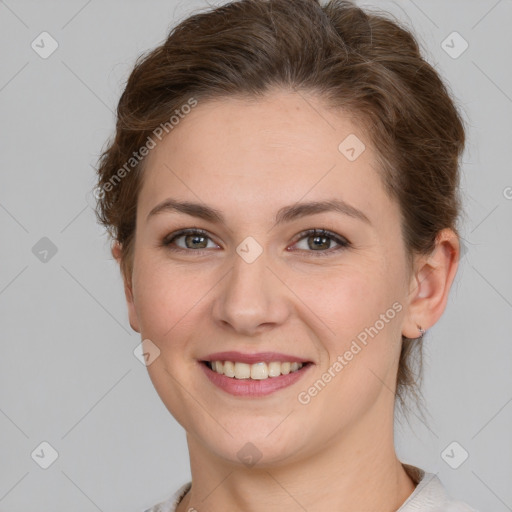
column 430, row 284
column 117, row 253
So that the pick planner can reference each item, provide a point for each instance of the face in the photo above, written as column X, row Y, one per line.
column 259, row 279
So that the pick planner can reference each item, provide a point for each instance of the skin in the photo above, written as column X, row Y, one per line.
column 247, row 160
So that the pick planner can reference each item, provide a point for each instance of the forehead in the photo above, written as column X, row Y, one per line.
column 264, row 153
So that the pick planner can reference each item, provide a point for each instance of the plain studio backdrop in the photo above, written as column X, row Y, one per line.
column 74, row 396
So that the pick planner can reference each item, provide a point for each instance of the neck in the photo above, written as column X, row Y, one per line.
column 355, row 470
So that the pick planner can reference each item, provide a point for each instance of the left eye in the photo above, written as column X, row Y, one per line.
column 317, row 241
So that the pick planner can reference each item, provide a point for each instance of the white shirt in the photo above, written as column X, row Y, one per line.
column 428, row 496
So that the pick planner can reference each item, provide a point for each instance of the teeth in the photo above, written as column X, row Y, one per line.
column 242, row 370
column 228, row 367
column 257, row 371
column 217, row 366
column 274, row 369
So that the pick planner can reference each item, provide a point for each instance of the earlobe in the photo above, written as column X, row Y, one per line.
column 117, row 253
column 431, row 283
column 132, row 313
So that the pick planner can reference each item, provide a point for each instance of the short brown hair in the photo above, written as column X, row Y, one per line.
column 365, row 63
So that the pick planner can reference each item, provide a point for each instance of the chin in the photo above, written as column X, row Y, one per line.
column 262, row 448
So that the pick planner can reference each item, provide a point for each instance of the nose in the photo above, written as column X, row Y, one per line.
column 251, row 299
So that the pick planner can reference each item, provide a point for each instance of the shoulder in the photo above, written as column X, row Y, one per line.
column 430, row 495
column 170, row 504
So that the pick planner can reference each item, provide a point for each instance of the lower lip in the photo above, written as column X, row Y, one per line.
column 252, row 387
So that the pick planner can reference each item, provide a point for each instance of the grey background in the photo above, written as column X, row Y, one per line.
column 68, row 374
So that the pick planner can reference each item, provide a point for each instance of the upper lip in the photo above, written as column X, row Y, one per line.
column 266, row 357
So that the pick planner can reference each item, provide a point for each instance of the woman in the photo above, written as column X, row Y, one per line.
column 282, row 194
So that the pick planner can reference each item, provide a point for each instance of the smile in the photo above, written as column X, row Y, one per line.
column 252, row 380
column 257, row 371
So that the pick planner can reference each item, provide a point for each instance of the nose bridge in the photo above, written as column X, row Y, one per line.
column 251, row 294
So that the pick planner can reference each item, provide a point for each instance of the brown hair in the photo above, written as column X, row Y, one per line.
column 364, row 63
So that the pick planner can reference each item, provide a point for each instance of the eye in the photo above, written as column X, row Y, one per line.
column 193, row 238
column 318, row 242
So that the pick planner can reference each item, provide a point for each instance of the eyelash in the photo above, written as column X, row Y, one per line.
column 342, row 242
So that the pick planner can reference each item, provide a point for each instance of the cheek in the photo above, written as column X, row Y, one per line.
column 164, row 296
column 346, row 300
column 356, row 318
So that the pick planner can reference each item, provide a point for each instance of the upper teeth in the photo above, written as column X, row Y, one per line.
column 256, row 371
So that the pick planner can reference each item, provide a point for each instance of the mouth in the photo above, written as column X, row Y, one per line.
column 256, row 371
column 253, row 375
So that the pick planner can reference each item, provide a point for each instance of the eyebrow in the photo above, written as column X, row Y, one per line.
column 285, row 214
